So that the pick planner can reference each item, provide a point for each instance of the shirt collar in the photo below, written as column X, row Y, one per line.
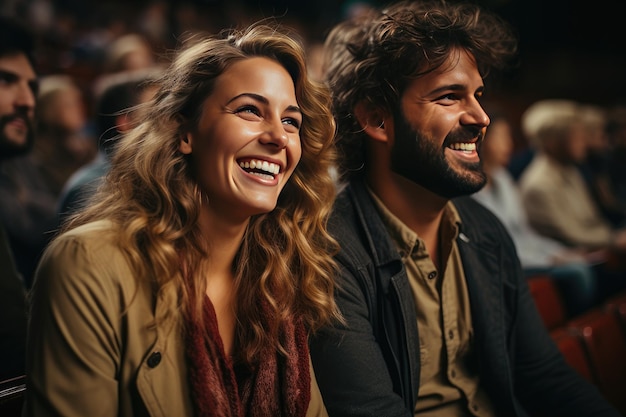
column 405, row 239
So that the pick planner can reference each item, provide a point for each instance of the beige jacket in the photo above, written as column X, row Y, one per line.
column 92, row 350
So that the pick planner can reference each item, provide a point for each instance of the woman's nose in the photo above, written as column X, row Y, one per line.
column 275, row 134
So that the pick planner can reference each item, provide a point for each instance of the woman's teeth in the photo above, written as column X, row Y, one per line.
column 267, row 168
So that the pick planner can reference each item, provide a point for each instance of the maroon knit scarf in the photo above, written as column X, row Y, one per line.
column 279, row 386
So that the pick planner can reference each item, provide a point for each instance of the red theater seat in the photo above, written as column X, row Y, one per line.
column 548, row 301
column 605, row 343
column 573, row 351
column 617, row 306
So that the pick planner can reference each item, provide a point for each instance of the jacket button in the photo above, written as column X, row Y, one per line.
column 432, row 275
column 154, row 359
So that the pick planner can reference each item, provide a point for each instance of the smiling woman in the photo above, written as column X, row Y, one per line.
column 191, row 281
column 247, row 143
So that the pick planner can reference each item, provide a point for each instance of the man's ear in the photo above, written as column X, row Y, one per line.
column 372, row 121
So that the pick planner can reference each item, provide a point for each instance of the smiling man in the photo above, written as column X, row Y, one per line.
column 18, row 85
column 438, row 317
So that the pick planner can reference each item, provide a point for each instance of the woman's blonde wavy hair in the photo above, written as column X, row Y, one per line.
column 285, row 260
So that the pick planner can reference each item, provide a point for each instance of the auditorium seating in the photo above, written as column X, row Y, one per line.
column 12, row 396
column 617, row 305
column 548, row 300
column 593, row 342
column 605, row 343
column 573, row 351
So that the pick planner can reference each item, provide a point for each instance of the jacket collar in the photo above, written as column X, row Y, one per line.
column 379, row 243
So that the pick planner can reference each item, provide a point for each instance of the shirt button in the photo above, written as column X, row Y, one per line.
column 451, row 334
column 453, row 373
column 154, row 359
column 432, row 275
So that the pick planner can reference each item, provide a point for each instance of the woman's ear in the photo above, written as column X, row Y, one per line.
column 185, row 144
column 372, row 121
column 186, row 141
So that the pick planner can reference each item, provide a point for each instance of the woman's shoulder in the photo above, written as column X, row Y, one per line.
column 97, row 235
column 80, row 254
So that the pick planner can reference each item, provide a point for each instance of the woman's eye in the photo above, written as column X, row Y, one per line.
column 293, row 122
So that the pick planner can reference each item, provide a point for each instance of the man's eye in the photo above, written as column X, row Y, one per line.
column 248, row 109
column 7, row 78
column 450, row 96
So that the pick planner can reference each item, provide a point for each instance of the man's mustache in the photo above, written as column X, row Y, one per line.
column 8, row 118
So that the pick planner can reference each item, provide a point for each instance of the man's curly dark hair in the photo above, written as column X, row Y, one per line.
column 372, row 58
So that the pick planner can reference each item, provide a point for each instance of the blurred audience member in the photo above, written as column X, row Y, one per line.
column 116, row 102
column 554, row 193
column 26, row 206
column 62, row 144
column 519, row 161
column 538, row 254
column 595, row 167
column 129, row 52
column 616, row 132
column 315, row 60
column 35, row 181
column 18, row 88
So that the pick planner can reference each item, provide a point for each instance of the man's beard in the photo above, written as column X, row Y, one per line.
column 8, row 147
column 423, row 161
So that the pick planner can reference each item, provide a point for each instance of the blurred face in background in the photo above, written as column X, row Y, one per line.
column 597, row 140
column 497, row 147
column 65, row 109
column 576, row 144
column 18, row 88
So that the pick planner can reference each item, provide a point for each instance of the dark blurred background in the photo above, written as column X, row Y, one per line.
column 568, row 49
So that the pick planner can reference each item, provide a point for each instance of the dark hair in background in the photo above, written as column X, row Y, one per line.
column 118, row 94
column 15, row 38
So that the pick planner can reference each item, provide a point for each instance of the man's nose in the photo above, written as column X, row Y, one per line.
column 25, row 97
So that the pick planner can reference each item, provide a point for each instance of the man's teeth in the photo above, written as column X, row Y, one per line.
column 463, row 146
column 268, row 167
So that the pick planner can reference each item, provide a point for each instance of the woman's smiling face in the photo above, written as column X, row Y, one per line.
column 247, row 142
